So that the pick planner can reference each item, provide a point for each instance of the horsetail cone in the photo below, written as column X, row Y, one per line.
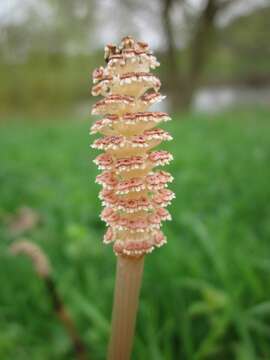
column 134, row 193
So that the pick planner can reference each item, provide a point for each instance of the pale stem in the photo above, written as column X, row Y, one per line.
column 126, row 298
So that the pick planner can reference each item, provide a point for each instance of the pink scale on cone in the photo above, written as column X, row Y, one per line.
column 133, row 184
column 107, row 179
column 104, row 161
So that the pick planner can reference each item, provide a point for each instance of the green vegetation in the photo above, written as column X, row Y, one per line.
column 46, row 84
column 238, row 44
column 206, row 295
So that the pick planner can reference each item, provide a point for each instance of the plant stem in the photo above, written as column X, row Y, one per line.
column 126, row 298
column 43, row 269
column 63, row 315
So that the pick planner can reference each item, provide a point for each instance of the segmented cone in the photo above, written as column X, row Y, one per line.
column 134, row 193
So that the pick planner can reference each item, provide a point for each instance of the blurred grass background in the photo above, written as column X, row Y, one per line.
column 206, row 294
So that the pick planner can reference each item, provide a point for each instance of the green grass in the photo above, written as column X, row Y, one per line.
column 206, row 295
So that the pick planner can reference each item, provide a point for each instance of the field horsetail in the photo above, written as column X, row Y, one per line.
column 134, row 193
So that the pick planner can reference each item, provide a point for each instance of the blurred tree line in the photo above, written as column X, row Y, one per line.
column 48, row 47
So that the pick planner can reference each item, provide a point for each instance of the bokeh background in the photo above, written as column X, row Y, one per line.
column 206, row 295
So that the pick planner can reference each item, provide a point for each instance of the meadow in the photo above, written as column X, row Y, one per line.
column 205, row 295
